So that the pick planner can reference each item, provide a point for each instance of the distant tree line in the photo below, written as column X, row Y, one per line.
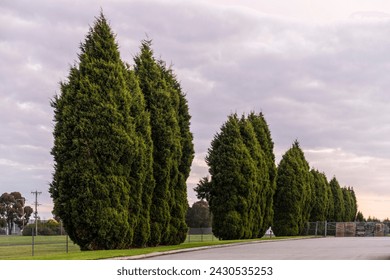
column 49, row 227
column 122, row 148
column 198, row 216
column 248, row 194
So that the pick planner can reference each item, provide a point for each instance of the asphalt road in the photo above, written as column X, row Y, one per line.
column 330, row 248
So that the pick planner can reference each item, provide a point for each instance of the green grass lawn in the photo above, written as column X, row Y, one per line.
column 54, row 248
column 20, row 247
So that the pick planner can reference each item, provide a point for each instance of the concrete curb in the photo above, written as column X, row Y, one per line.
column 155, row 254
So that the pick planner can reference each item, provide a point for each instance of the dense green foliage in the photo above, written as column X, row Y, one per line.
column 347, row 205
column 263, row 135
column 294, row 191
column 50, row 227
column 240, row 190
column 247, row 194
column 122, row 149
column 256, row 198
column 354, row 204
column 184, row 156
column 141, row 174
column 331, row 202
column 360, row 217
column 173, row 148
column 321, row 196
column 232, row 176
column 338, row 199
column 203, row 189
column 94, row 147
column 198, row 216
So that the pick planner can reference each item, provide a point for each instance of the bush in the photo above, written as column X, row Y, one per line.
column 50, row 227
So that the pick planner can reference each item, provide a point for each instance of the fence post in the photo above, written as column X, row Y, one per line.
column 316, row 229
column 67, row 243
column 326, row 228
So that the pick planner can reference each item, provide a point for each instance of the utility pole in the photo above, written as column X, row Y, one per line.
column 36, row 210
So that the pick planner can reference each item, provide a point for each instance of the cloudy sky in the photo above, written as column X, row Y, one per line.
column 318, row 70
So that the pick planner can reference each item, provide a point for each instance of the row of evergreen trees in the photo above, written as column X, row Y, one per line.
column 122, row 148
column 304, row 195
column 247, row 193
column 243, row 173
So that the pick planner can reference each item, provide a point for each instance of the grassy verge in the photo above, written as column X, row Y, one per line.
column 47, row 249
column 20, row 247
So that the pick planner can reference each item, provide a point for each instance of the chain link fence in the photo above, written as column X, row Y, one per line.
column 42, row 227
column 20, row 247
column 347, row 229
column 200, row 235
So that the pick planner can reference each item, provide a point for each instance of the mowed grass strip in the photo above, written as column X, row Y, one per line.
column 20, row 247
column 53, row 248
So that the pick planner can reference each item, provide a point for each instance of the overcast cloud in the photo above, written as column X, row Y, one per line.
column 318, row 73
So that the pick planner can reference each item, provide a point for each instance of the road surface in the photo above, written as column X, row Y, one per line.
column 330, row 248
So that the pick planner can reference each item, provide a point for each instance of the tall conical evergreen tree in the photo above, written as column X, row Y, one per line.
column 232, row 173
column 263, row 135
column 184, row 156
column 259, row 182
column 252, row 187
column 172, row 143
column 330, row 205
column 347, row 205
column 142, row 168
column 320, row 202
column 293, row 193
column 354, row 204
column 158, row 103
column 338, row 199
column 94, row 147
column 225, row 158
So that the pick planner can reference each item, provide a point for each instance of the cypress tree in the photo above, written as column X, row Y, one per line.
column 293, row 193
column 157, row 101
column 172, row 147
column 354, row 204
column 257, row 184
column 257, row 211
column 320, row 201
column 347, row 201
column 94, row 147
column 360, row 217
column 349, row 195
column 183, row 157
column 232, row 173
column 263, row 135
column 142, row 167
column 330, row 205
column 338, row 199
